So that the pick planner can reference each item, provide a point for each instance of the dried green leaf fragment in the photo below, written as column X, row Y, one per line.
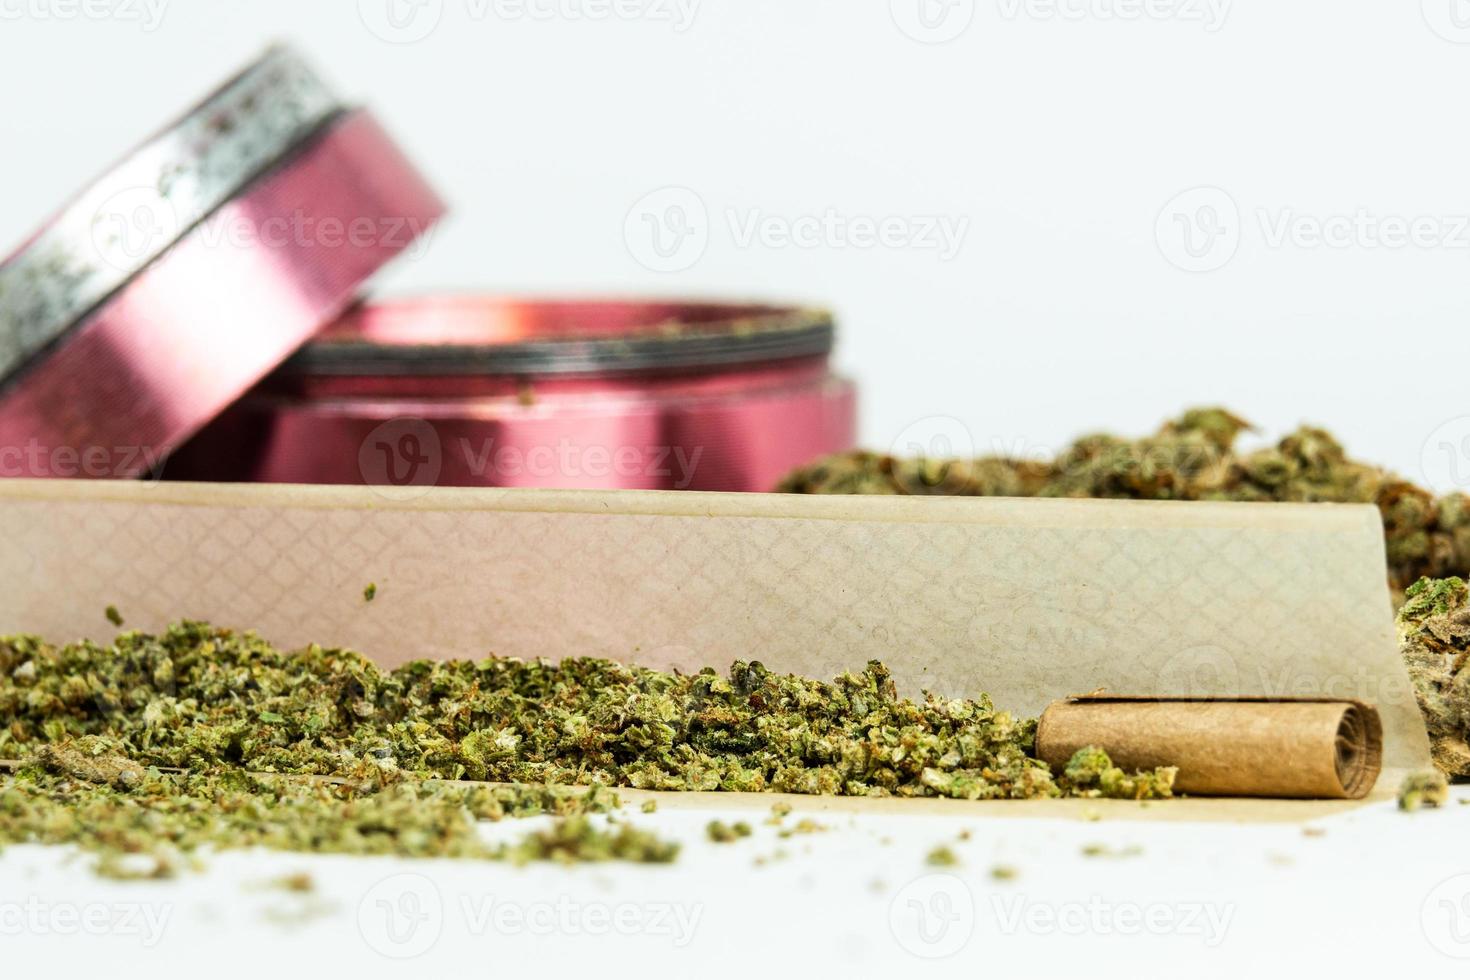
column 1421, row 789
column 1091, row 773
column 575, row 840
column 726, row 833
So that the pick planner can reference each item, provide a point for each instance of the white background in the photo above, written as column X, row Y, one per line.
column 1058, row 134
column 1373, row 892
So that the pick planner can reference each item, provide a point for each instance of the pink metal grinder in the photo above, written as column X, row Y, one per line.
column 474, row 391
column 192, row 269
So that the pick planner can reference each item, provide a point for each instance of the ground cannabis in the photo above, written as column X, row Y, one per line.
column 806, row 825
column 371, row 592
column 154, row 747
column 1434, row 638
column 1091, row 773
column 576, row 840
column 725, row 833
column 199, row 698
column 942, row 857
column 1190, row 458
column 1107, row 851
column 299, row 882
column 146, row 827
column 1421, row 789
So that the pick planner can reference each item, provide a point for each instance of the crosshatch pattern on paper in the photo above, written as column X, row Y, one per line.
column 1027, row 613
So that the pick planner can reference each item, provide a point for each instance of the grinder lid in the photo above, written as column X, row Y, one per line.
column 194, row 267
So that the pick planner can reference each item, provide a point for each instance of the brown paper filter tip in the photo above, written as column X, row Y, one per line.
column 1302, row 749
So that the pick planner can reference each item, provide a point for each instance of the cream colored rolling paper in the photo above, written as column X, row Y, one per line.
column 1029, row 600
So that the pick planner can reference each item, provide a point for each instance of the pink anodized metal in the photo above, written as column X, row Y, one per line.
column 216, row 312
column 192, row 267
column 476, row 391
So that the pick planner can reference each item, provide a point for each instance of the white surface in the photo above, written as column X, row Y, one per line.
column 1057, row 132
column 1060, row 143
column 1379, row 890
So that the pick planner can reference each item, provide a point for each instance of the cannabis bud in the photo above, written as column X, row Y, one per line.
column 1434, row 637
column 1190, row 458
